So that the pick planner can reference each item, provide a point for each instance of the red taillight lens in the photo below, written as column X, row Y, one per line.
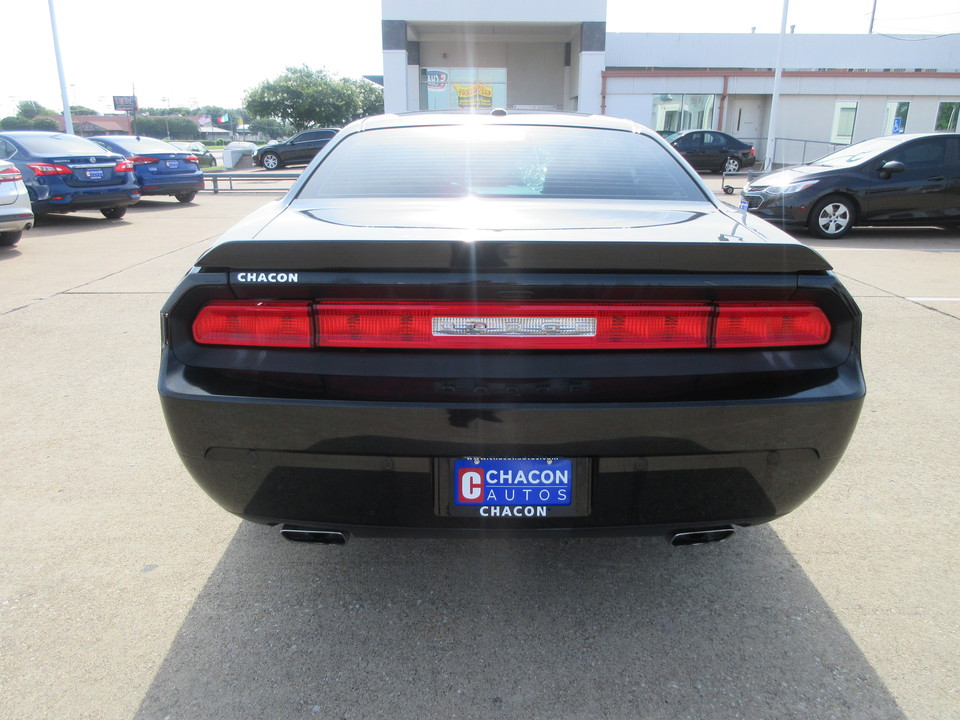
column 124, row 166
column 497, row 326
column 143, row 160
column 10, row 175
column 506, row 326
column 192, row 158
column 41, row 169
column 255, row 324
column 753, row 153
column 770, row 326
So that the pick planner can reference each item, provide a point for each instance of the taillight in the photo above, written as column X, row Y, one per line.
column 41, row 169
column 255, row 324
column 753, row 153
column 10, row 175
column 770, row 325
column 143, row 160
column 124, row 166
column 508, row 326
column 505, row 326
column 192, row 158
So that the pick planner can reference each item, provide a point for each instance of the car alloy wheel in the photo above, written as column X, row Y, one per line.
column 271, row 161
column 832, row 217
column 732, row 165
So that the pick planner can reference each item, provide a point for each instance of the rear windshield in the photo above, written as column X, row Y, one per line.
column 59, row 145
column 144, row 145
column 500, row 160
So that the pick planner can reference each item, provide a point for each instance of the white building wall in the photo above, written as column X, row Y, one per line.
column 394, row 81
column 800, row 52
column 537, row 11
column 591, row 81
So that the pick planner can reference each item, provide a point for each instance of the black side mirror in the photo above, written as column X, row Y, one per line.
column 890, row 167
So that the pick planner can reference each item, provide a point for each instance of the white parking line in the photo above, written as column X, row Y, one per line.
column 933, row 299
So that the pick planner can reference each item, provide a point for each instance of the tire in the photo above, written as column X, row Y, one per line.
column 271, row 161
column 185, row 197
column 832, row 217
column 113, row 213
column 731, row 165
column 9, row 239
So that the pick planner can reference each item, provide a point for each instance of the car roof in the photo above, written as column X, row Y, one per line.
column 497, row 117
column 28, row 133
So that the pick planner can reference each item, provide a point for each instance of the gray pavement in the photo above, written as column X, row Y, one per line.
column 126, row 593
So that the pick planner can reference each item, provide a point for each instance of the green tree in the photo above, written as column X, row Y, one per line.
column 308, row 98
column 45, row 123
column 17, row 122
column 82, row 110
column 31, row 108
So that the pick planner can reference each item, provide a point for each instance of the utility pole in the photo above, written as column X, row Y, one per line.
column 67, row 116
column 774, row 104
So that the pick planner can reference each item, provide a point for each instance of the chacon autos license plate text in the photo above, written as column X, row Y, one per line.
column 512, row 487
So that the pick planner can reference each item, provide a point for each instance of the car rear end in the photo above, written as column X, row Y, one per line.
column 160, row 168
column 15, row 213
column 65, row 173
column 464, row 365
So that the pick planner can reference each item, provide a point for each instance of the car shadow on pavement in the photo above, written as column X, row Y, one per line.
column 604, row 628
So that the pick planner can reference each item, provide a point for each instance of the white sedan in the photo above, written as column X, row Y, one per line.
column 15, row 213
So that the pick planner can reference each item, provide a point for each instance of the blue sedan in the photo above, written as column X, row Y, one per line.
column 160, row 168
column 64, row 173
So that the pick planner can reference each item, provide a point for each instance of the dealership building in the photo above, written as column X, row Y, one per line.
column 557, row 55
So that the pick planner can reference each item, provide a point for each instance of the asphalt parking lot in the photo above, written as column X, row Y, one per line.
column 126, row 593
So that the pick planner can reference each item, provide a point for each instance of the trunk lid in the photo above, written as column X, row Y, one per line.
column 474, row 234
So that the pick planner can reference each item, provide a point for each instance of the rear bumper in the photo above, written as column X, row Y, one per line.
column 15, row 218
column 67, row 199
column 172, row 185
column 374, row 468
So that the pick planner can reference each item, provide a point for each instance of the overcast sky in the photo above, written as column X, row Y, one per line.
column 211, row 53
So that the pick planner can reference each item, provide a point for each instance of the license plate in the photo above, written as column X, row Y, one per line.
column 744, row 205
column 512, row 487
column 173, row 163
column 94, row 174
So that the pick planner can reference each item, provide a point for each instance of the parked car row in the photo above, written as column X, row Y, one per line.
column 54, row 172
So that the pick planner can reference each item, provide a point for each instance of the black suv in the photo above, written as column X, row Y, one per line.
column 298, row 150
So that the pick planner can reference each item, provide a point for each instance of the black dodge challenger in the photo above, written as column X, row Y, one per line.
column 508, row 324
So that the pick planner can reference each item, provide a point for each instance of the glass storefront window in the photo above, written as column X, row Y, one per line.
column 672, row 113
column 947, row 116
column 455, row 88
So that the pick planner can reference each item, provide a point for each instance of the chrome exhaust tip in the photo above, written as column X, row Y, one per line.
column 310, row 535
column 700, row 537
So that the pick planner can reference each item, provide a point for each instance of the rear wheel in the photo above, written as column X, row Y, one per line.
column 185, row 197
column 9, row 239
column 113, row 213
column 832, row 217
column 270, row 161
column 732, row 165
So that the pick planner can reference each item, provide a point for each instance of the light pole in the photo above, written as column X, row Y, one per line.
column 775, row 103
column 67, row 117
column 166, row 118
